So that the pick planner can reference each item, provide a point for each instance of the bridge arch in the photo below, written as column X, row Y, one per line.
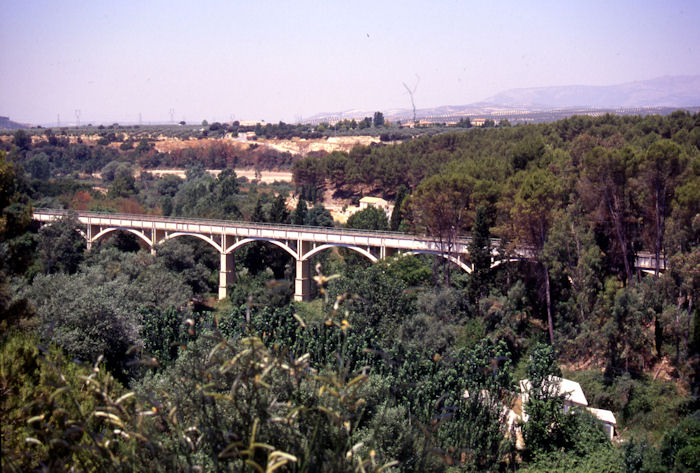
column 216, row 246
column 123, row 229
column 465, row 267
column 245, row 241
column 326, row 246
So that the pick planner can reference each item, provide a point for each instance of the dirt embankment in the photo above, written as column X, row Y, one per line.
column 267, row 177
column 303, row 146
column 296, row 146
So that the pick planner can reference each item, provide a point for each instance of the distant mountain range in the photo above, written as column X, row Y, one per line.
column 7, row 124
column 656, row 96
column 660, row 95
column 668, row 91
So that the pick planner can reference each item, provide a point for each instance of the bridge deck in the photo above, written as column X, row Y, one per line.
column 317, row 235
column 301, row 242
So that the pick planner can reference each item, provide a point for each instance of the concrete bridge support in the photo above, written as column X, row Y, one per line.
column 386, row 252
column 226, row 236
column 227, row 273
column 90, row 232
column 302, row 283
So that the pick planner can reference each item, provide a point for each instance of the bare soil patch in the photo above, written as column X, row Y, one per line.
column 296, row 146
column 267, row 177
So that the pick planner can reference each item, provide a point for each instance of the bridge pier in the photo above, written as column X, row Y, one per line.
column 227, row 273
column 386, row 252
column 302, row 283
column 91, row 231
column 153, row 230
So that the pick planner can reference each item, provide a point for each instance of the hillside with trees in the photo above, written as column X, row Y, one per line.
column 116, row 359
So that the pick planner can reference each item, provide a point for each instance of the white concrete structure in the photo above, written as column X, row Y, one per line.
column 573, row 397
column 378, row 203
column 299, row 241
column 570, row 390
column 607, row 418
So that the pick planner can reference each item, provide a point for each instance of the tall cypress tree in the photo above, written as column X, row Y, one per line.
column 401, row 194
column 258, row 212
column 278, row 211
column 299, row 214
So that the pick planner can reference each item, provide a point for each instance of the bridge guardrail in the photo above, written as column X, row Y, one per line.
column 242, row 223
column 642, row 256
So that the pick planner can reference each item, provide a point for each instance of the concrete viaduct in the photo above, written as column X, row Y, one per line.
column 300, row 242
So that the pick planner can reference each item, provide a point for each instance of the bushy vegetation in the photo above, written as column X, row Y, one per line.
column 117, row 359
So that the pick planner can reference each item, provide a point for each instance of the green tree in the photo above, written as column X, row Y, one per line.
column 530, row 149
column 549, row 430
column 533, row 212
column 684, row 271
column 661, row 169
column 680, row 448
column 607, row 189
column 258, row 213
column 401, row 195
column 318, row 216
column 299, row 216
column 370, row 218
column 122, row 186
column 16, row 246
column 377, row 303
column 627, row 340
column 572, row 255
column 480, row 426
column 144, row 146
column 683, row 231
column 163, row 333
column 480, row 255
column 180, row 258
column 85, row 318
column 228, row 189
column 61, row 246
column 440, row 207
column 309, row 176
column 464, row 123
column 46, row 406
column 278, row 210
column 39, row 166
column 408, row 268
column 22, row 140
column 336, row 165
column 378, row 120
column 8, row 185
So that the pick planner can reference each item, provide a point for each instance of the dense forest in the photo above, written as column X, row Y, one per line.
column 118, row 359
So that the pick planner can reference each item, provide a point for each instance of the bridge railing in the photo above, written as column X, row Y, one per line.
column 645, row 260
column 262, row 225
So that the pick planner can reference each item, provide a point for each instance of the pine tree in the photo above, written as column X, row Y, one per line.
column 278, row 211
column 258, row 213
column 299, row 214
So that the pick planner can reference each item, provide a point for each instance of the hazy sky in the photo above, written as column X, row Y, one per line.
column 281, row 60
